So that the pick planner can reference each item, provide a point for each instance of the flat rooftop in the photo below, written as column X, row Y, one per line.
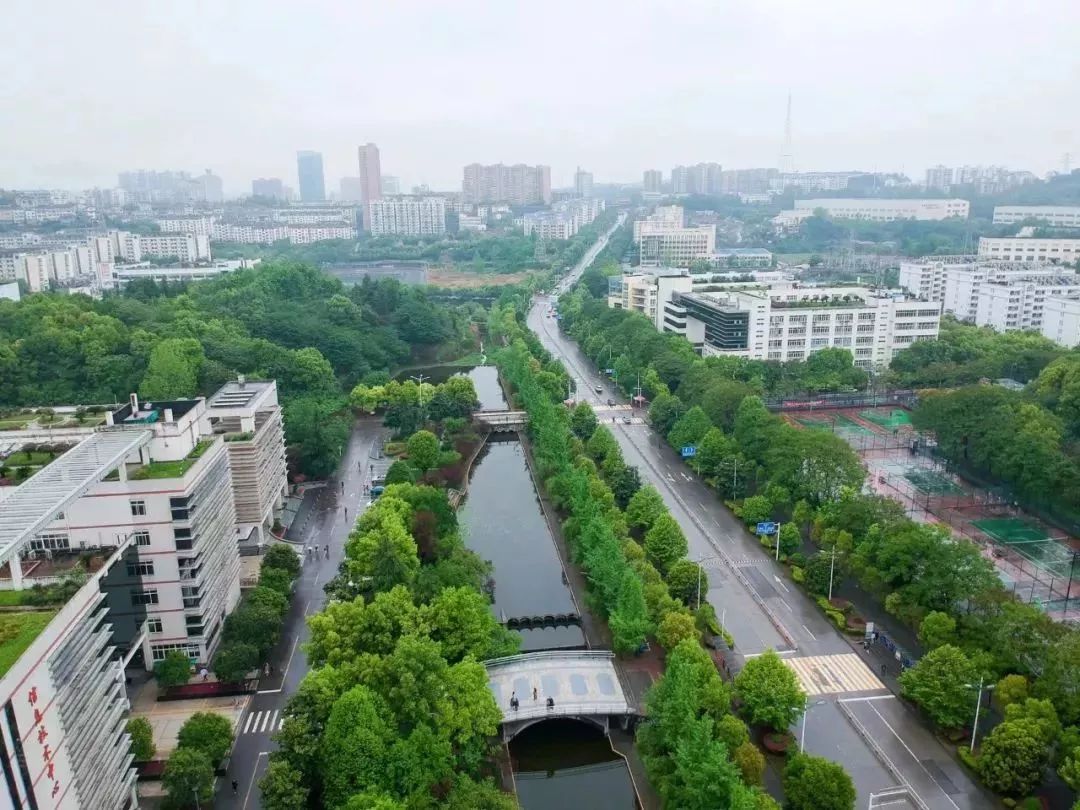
column 237, row 394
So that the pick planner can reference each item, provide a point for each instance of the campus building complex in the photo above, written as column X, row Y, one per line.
column 882, row 210
column 664, row 241
column 1054, row 216
column 1028, row 249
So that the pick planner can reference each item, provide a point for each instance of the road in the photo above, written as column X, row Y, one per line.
column 328, row 526
column 763, row 611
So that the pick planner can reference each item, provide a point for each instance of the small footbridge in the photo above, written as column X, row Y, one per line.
column 497, row 421
column 581, row 684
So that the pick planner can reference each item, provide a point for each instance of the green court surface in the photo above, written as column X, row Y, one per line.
column 845, row 424
column 1010, row 530
column 892, row 419
column 815, row 422
column 932, row 482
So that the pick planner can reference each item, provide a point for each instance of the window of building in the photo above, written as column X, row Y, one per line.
column 159, row 651
column 795, row 355
column 144, row 597
column 51, row 541
column 142, row 568
column 142, row 538
column 863, row 352
column 866, row 316
column 138, row 508
column 153, row 624
column 822, row 318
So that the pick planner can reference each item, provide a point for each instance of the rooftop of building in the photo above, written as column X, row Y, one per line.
column 742, row 252
column 18, row 630
column 239, row 393
column 147, row 413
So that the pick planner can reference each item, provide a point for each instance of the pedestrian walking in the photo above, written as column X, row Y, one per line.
column 342, row 486
column 346, row 513
column 235, row 787
column 266, row 670
column 204, row 673
column 326, row 550
column 534, row 693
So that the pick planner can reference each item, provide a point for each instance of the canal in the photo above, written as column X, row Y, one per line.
column 485, row 381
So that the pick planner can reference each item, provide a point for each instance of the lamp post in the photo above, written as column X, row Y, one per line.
column 802, row 733
column 778, row 527
column 419, row 380
column 978, row 705
column 832, row 567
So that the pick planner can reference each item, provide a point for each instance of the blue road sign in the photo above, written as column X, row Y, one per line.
column 689, row 451
column 609, row 371
column 766, row 527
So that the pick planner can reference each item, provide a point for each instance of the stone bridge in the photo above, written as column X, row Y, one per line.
column 583, row 684
column 502, row 420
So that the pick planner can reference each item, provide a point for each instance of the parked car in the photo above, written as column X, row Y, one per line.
column 611, row 402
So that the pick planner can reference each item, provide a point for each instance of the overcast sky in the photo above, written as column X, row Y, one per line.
column 616, row 86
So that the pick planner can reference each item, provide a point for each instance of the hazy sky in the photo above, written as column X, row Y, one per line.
column 92, row 88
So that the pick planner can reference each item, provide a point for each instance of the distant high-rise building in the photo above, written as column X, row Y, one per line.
column 518, row 184
column 390, row 184
column 309, row 170
column 352, row 189
column 680, row 180
column 583, row 183
column 939, row 177
column 271, row 187
column 210, row 187
column 407, row 216
column 370, row 173
column 653, row 181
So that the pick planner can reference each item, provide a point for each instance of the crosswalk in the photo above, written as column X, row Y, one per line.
column 266, row 722
column 748, row 562
column 832, row 674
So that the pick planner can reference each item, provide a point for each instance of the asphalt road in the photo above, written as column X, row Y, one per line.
column 328, row 526
column 763, row 611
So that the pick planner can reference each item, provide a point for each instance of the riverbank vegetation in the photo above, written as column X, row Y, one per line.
column 942, row 587
column 396, row 710
column 282, row 321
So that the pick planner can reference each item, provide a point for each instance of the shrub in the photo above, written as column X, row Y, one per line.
column 206, row 732
column 142, row 738
column 277, row 580
column 174, row 670
column 188, row 773
column 750, row 761
column 281, row 555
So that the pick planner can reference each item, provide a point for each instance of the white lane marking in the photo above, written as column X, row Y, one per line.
column 785, row 604
column 255, row 770
column 781, row 584
column 832, row 674
column 917, row 760
column 265, row 722
column 703, row 506
column 248, row 723
column 289, row 663
column 281, row 723
column 807, row 629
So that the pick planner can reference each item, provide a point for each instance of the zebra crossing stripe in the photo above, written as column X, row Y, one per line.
column 248, row 723
column 832, row 674
column 264, row 722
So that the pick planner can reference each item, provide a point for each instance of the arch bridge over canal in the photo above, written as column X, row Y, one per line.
column 584, row 685
column 502, row 420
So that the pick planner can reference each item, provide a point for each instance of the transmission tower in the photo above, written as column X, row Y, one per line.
column 786, row 162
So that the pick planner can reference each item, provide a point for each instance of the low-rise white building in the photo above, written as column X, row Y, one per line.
column 119, row 275
column 648, row 292
column 185, row 247
column 1019, row 302
column 660, row 245
column 249, row 234
column 200, row 226
column 407, row 216
column 1056, row 216
column 1061, row 320
column 1027, row 249
column 306, row 234
column 883, row 210
column 791, row 323
column 471, row 222
column 742, row 257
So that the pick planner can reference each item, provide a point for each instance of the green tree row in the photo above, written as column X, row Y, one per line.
column 396, row 711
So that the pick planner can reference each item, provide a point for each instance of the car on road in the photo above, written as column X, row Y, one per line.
column 627, row 420
column 611, row 403
column 598, row 389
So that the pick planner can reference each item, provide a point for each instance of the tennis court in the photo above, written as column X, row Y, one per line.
column 932, row 482
column 1010, row 530
column 815, row 422
column 845, row 424
column 891, row 418
column 1050, row 554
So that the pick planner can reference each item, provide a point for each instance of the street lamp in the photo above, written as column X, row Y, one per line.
column 806, row 710
column 978, row 705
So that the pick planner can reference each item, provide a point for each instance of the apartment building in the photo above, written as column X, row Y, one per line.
column 812, row 181
column 939, row 177
column 199, row 226
column 786, row 323
column 1019, row 302
column 583, row 183
column 1055, row 216
column 471, row 222
column 518, row 184
column 1027, row 249
column 652, row 181
column 563, row 220
column 315, row 215
column 407, row 216
column 271, row 187
column 306, row 234
column 186, row 247
column 309, row 172
column 663, row 240
column 648, row 292
column 1061, row 320
column 249, row 234
column 882, row 210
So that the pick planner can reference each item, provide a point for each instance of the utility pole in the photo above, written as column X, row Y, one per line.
column 778, row 527
column 832, row 567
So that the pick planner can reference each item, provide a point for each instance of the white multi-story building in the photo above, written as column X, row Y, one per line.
column 648, row 293
column 790, row 323
column 471, row 222
column 1019, row 302
column 315, row 215
column 306, row 234
column 925, row 278
column 1056, row 216
column 249, row 234
column 1061, row 320
column 405, row 216
column 660, row 244
column 1026, row 249
column 939, row 177
column 186, row 247
column 563, row 220
column 882, row 210
column 200, row 226
column 669, row 217
column 119, row 275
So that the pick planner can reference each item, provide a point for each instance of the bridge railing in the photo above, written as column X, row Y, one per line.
column 551, row 655
column 529, row 711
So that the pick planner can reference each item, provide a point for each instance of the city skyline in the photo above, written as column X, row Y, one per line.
column 886, row 111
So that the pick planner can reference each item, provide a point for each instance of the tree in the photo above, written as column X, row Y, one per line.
column 770, row 692
column 256, row 624
column 1039, row 712
column 703, row 777
column 731, row 731
column 423, row 450
column 937, row 629
column 663, row 412
column 461, row 621
column 282, row 555
column 283, row 786
column 645, row 507
column 173, row 372
column 388, row 556
column 939, row 684
column 1012, row 758
column 751, row 762
column 625, row 484
column 676, row 626
column 173, row 670
column 207, row 732
column 690, row 428
column 1011, row 689
column 188, row 774
column 601, row 444
column 1069, row 769
column 817, row 572
column 400, row 472
column 1060, row 678
column 814, row 783
column 790, row 539
column 277, row 580
column 583, row 421
column 665, row 543
column 142, row 738
column 629, row 620
column 316, row 429
column 685, row 580
column 234, row 660
column 355, row 746
column 269, row 597
column 755, row 509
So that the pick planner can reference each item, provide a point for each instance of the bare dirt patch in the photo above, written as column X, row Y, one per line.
column 465, row 280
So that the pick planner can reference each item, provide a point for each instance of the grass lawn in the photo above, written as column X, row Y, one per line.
column 24, row 459
column 171, row 469
column 10, row 598
column 17, row 633
column 14, row 422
